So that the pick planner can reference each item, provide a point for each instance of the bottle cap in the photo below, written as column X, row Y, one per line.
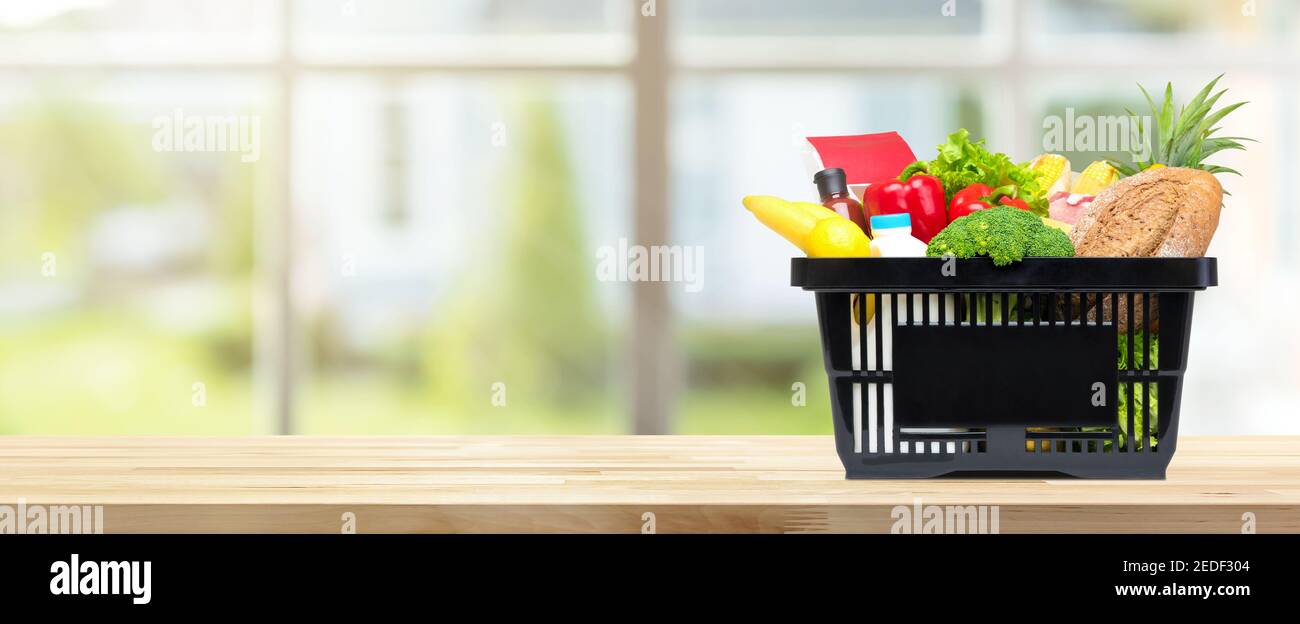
column 891, row 221
column 830, row 181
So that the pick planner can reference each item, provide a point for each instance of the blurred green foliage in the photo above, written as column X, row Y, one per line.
column 113, row 360
column 65, row 160
column 534, row 324
column 111, row 352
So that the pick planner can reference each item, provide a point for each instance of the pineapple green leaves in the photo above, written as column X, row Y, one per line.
column 1185, row 138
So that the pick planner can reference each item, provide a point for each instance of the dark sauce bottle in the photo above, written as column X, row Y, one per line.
column 833, row 187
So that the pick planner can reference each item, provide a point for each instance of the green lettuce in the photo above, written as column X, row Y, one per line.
column 962, row 162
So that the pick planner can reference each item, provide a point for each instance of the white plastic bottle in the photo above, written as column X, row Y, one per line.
column 892, row 237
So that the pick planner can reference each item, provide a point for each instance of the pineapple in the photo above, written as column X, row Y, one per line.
column 1185, row 138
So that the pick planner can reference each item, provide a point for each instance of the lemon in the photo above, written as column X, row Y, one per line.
column 857, row 311
column 1154, row 166
column 837, row 238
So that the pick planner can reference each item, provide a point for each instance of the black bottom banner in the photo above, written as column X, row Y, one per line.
column 196, row 574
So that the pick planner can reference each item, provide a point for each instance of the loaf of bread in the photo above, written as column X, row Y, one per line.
column 1170, row 211
column 1166, row 212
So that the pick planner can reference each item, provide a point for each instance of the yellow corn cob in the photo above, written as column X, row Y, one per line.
column 794, row 221
column 1052, row 172
column 1096, row 177
column 1062, row 226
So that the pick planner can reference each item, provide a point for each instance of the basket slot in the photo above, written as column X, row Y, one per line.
column 1109, row 307
column 1067, row 435
column 927, row 447
column 941, row 441
column 886, row 316
column 885, row 311
column 859, row 340
column 1130, row 445
column 927, row 435
column 1147, row 365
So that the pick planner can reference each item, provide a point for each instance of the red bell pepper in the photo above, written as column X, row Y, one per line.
column 921, row 196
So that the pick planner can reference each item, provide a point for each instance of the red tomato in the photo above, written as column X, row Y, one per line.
column 1015, row 202
column 968, row 200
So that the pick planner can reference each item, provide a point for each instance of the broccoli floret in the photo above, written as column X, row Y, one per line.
column 1004, row 233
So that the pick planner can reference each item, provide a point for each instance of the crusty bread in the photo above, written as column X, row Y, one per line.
column 1168, row 212
column 1171, row 211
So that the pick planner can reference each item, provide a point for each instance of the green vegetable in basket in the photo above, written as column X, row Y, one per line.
column 1151, row 398
column 962, row 162
column 1152, row 394
column 1003, row 233
column 974, row 308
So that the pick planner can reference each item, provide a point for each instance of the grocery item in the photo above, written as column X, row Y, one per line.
column 1151, row 344
column 1053, row 173
column 1014, row 202
column 1056, row 318
column 794, row 221
column 1183, row 137
column 981, row 197
column 838, row 238
column 920, row 196
column 865, row 158
column 833, row 189
column 1066, row 207
column 1169, row 211
column 968, row 200
column 1064, row 227
column 1097, row 177
column 894, row 237
column 1140, row 342
column 962, row 162
column 1002, row 233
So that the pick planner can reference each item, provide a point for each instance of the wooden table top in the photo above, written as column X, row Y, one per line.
column 609, row 484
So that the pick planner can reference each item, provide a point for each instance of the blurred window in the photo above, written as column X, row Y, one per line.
column 412, row 249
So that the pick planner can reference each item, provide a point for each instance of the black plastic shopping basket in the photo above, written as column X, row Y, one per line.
column 1049, row 366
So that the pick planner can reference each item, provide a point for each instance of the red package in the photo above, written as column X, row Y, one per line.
column 865, row 158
